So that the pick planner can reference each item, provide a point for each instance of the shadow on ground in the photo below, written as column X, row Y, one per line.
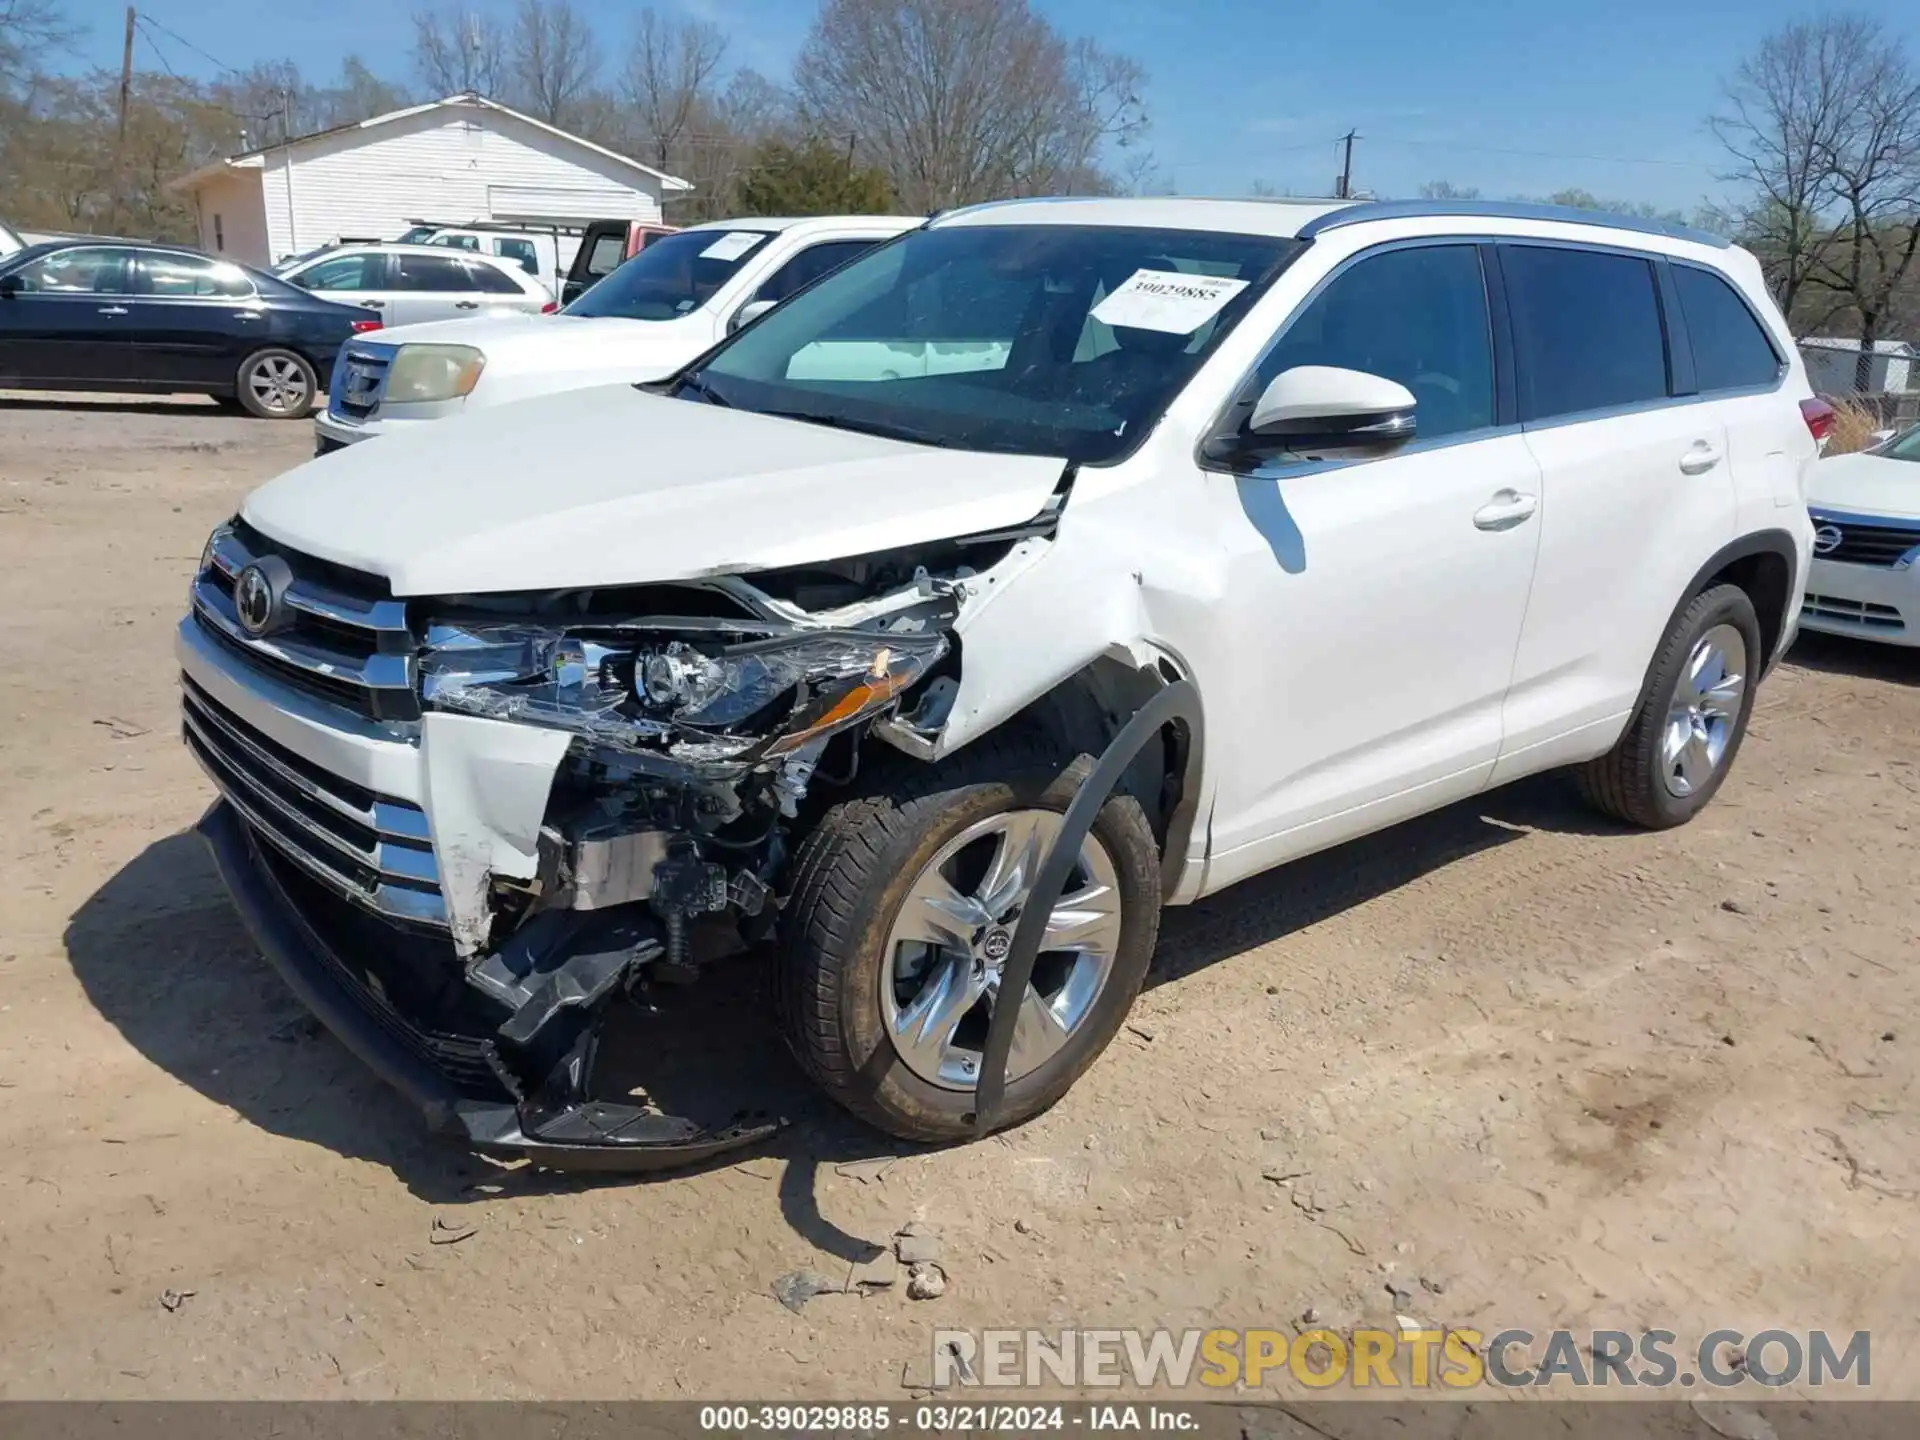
column 1842, row 655
column 164, row 959
column 174, row 405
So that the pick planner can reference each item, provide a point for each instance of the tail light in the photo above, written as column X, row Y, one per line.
column 1819, row 416
column 549, row 308
column 360, row 327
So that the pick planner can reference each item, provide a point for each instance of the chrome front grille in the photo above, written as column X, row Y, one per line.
column 360, row 379
column 372, row 849
column 1854, row 612
column 344, row 638
column 1865, row 540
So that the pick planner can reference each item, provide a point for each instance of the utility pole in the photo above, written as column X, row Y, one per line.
column 126, row 75
column 1345, row 187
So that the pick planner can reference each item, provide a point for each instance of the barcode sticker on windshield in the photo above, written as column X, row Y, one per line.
column 1167, row 300
column 732, row 245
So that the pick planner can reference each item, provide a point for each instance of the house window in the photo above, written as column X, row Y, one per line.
column 219, row 235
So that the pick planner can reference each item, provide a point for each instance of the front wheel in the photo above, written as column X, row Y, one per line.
column 902, row 917
column 1680, row 743
column 276, row 384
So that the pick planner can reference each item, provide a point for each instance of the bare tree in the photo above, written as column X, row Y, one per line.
column 30, row 32
column 457, row 50
column 1447, row 190
column 671, row 80
column 963, row 100
column 1872, row 162
column 552, row 59
column 1780, row 120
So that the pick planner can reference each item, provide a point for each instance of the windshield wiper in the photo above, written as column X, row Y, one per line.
column 882, row 428
column 704, row 390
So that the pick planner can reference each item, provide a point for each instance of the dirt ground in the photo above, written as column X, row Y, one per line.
column 1568, row 1075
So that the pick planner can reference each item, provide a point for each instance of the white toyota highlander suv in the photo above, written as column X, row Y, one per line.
column 645, row 320
column 1055, row 563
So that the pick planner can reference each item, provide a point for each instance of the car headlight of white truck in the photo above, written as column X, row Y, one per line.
column 693, row 697
column 426, row 373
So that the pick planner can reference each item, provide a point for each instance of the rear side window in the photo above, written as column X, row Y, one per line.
column 494, row 282
column 358, row 270
column 607, row 253
column 430, row 272
column 521, row 252
column 457, row 242
column 1730, row 348
column 1586, row 330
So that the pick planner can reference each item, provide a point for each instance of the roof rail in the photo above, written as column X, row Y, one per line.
column 1367, row 210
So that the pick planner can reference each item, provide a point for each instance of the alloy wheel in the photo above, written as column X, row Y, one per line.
column 949, row 943
column 1704, row 711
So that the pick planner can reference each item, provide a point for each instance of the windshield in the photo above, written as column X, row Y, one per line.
column 673, row 276
column 1902, row 447
column 1041, row 339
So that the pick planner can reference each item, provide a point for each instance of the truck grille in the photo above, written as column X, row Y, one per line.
column 359, row 382
column 1864, row 542
column 372, row 849
column 1854, row 612
column 344, row 637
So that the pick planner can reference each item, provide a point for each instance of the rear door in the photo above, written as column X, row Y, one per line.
column 602, row 249
column 192, row 320
column 67, row 323
column 1636, row 495
column 437, row 287
column 352, row 277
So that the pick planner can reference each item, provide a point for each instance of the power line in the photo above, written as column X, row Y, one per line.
column 181, row 40
column 1542, row 154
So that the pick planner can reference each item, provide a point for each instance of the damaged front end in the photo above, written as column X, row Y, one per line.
column 688, row 725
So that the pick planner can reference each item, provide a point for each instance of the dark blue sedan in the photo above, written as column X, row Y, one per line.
column 92, row 315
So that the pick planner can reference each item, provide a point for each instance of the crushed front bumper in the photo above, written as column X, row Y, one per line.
column 454, row 1074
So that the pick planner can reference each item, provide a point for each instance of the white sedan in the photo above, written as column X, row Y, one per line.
column 1865, row 576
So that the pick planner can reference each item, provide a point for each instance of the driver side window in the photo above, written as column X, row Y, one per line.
column 1417, row 315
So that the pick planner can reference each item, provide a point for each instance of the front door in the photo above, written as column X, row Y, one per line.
column 65, row 325
column 192, row 320
column 1381, row 600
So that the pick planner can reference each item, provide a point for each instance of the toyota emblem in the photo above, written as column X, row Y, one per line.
column 996, row 943
column 1827, row 539
column 258, row 595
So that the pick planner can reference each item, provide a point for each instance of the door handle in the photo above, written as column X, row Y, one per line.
column 1700, row 458
column 368, row 304
column 466, row 304
column 113, row 309
column 1507, row 509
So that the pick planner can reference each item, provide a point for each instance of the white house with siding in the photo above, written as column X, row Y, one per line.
column 456, row 160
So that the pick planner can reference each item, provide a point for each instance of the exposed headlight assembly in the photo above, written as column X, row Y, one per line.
column 433, row 372
column 754, row 700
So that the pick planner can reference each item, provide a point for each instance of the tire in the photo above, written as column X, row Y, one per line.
column 1651, row 780
column 854, row 873
column 276, row 384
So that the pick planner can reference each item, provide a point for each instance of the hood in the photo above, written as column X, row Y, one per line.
column 555, row 343
column 1866, row 485
column 614, row 486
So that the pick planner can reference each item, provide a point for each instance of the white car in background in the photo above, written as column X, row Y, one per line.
column 1865, row 576
column 413, row 284
column 673, row 300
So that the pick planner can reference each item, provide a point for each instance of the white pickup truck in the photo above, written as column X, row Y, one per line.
column 672, row 301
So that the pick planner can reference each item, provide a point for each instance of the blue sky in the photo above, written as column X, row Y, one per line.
column 1511, row 96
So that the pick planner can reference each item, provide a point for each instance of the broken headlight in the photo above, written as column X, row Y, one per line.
column 764, row 697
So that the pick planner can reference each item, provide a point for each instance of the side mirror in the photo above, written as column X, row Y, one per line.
column 748, row 313
column 10, row 286
column 1321, row 412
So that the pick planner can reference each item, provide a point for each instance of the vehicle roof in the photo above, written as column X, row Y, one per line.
column 1295, row 219
column 776, row 223
column 108, row 242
